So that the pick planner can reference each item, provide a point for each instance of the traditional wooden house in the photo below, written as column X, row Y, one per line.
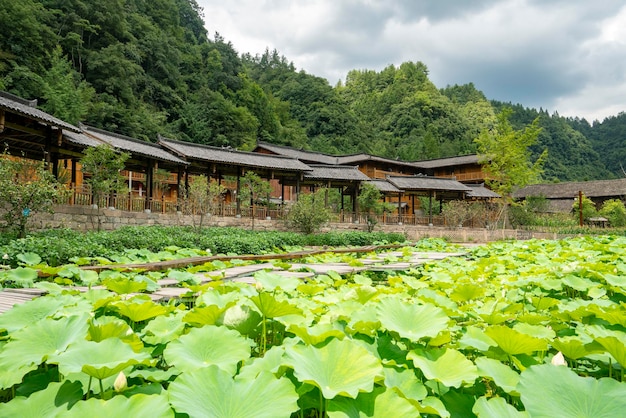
column 561, row 196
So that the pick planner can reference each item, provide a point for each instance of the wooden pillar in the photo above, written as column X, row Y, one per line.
column 149, row 185
column 237, row 199
column 430, row 208
column 298, row 187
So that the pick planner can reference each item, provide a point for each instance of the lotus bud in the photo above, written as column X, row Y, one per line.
column 259, row 286
column 120, row 382
column 5, row 257
column 559, row 360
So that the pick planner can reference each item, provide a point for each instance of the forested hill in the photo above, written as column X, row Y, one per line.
column 142, row 67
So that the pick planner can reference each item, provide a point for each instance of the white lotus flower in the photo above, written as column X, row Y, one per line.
column 120, row 382
column 559, row 360
column 5, row 257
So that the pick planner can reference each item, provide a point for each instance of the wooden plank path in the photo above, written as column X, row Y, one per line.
column 170, row 288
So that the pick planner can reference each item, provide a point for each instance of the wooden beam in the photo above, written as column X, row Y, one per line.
column 25, row 129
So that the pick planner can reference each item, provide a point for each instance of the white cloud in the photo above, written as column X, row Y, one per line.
column 561, row 55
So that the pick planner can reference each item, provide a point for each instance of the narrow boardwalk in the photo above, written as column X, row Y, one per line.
column 170, row 287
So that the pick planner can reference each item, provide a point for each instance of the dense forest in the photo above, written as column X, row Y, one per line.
column 142, row 67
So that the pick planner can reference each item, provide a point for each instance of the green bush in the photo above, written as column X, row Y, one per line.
column 615, row 212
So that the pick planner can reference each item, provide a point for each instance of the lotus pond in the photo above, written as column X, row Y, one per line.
column 510, row 329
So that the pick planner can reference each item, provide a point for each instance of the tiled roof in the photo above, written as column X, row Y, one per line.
column 27, row 108
column 302, row 155
column 358, row 158
column 207, row 153
column 384, row 186
column 133, row 146
column 597, row 188
column 479, row 191
column 81, row 139
column 336, row 172
column 427, row 183
column 447, row 162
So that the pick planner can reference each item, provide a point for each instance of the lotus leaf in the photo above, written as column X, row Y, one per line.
column 514, row 342
column 556, row 391
column 615, row 348
column 136, row 406
column 29, row 259
column 164, row 328
column 476, row 338
column 209, row 345
column 376, row 404
column 36, row 343
column 98, row 360
column 270, row 307
column 28, row 313
column 272, row 281
column 124, row 285
column 411, row 321
column 212, row 392
column 406, row 383
column 243, row 319
column 317, row 333
column 496, row 407
column 500, row 373
column 24, row 276
column 113, row 327
column 138, row 312
column 52, row 401
column 447, row 366
column 341, row 367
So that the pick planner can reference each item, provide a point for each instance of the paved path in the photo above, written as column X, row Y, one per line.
column 170, row 289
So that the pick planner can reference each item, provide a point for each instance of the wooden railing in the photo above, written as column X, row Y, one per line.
column 133, row 203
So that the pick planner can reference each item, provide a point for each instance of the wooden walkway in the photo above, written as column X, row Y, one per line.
column 170, row 288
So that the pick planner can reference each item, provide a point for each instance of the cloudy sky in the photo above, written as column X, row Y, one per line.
column 567, row 56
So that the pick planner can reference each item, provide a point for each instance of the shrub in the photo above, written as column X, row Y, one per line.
column 309, row 213
column 615, row 212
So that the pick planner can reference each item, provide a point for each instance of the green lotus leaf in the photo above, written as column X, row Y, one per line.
column 136, row 406
column 88, row 277
column 406, row 383
column 98, row 360
column 448, row 366
column 138, row 312
column 212, row 392
column 243, row 319
column 466, row 292
column 123, row 285
column 411, row 321
column 615, row 280
column 272, row 281
column 152, row 374
column 572, row 347
column 537, row 331
column 28, row 313
column 556, row 391
column 341, row 367
column 500, row 373
column 30, row 259
column 432, row 405
column 24, row 276
column 69, row 271
column 376, row 404
column 578, row 283
column 514, row 342
column 317, row 333
column 36, row 343
column 183, row 277
column 496, row 407
column 613, row 315
column 221, row 300
column 544, row 303
column 615, row 347
column 52, row 401
column 113, row 327
column 270, row 307
column 204, row 315
column 209, row 345
column 164, row 328
column 476, row 338
column 362, row 293
column 271, row 362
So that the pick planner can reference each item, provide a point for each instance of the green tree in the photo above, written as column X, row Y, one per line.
column 103, row 164
column 505, row 155
column 202, row 198
column 66, row 95
column 26, row 187
column 309, row 213
column 615, row 211
column 370, row 203
column 252, row 189
column 589, row 209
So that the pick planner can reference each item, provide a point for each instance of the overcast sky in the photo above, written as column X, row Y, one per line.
column 560, row 55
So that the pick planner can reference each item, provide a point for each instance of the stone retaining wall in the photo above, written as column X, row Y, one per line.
column 85, row 218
